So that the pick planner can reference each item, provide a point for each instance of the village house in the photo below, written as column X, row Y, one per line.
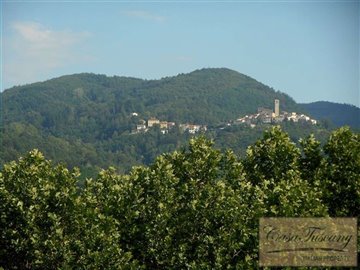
column 163, row 125
column 153, row 121
column 170, row 125
column 141, row 127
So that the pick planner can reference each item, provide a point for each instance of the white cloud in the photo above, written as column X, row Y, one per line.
column 34, row 51
column 145, row 15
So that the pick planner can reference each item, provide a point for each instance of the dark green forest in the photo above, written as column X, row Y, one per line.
column 338, row 114
column 194, row 208
column 86, row 120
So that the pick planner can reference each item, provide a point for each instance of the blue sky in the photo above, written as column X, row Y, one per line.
column 309, row 50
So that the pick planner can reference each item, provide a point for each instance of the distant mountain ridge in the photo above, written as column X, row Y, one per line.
column 339, row 114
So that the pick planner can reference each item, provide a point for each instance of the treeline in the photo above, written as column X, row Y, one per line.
column 195, row 208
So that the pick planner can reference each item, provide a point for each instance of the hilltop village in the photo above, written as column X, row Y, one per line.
column 263, row 116
column 268, row 116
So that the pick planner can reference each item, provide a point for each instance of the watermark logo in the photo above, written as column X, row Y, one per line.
column 308, row 242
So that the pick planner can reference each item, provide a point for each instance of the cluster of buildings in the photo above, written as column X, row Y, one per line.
column 263, row 116
column 165, row 126
column 268, row 116
column 192, row 129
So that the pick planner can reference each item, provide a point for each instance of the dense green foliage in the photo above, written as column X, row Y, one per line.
column 46, row 224
column 196, row 208
column 85, row 119
column 339, row 114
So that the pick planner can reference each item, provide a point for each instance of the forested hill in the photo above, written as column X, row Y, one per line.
column 206, row 96
column 85, row 119
column 339, row 114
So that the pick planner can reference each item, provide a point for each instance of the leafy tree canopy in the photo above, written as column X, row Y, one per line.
column 195, row 208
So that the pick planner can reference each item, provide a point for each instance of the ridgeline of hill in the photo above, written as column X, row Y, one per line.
column 86, row 120
column 338, row 114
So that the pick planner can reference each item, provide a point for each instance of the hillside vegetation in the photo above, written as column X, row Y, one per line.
column 338, row 114
column 207, row 96
column 85, row 119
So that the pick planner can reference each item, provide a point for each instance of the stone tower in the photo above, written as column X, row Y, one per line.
column 277, row 107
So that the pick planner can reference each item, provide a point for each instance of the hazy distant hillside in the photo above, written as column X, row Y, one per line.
column 339, row 114
column 85, row 119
